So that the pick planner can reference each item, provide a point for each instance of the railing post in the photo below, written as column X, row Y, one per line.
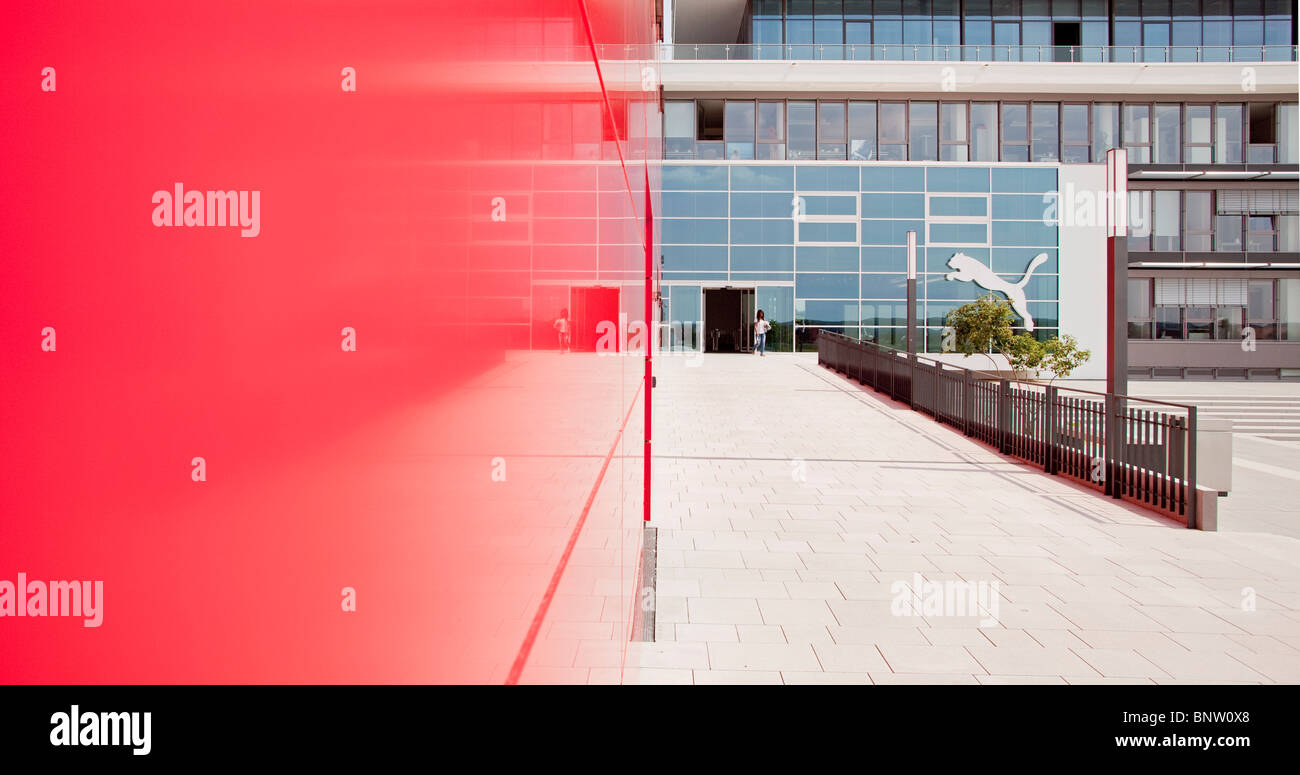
column 938, row 372
column 967, row 402
column 911, row 380
column 1049, row 429
column 1111, row 445
column 1121, row 444
column 1004, row 415
column 1192, row 500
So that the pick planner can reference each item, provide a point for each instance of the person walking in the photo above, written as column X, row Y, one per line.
column 561, row 326
column 761, row 327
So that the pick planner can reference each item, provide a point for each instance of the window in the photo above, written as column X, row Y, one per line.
column 830, row 130
column 738, row 130
column 802, row 123
column 679, row 130
column 1105, row 129
column 1199, row 321
column 1139, row 308
column 1227, row 232
column 1169, row 323
column 1288, row 308
column 1288, row 232
column 1198, row 225
column 1288, row 134
column 893, row 131
column 1196, row 144
column 771, row 131
column 1259, row 309
column 1165, row 229
column 1227, row 322
column 1228, row 134
column 1206, row 308
column 1260, row 234
column 828, row 34
column 1006, row 40
column 1137, row 133
column 923, row 122
column 1263, row 125
column 952, row 132
column 1155, row 40
column 984, row 131
column 862, row 131
column 1168, row 134
column 1074, row 134
column 1186, row 33
column 1046, row 128
column 1015, row 132
column 708, row 129
column 1139, row 221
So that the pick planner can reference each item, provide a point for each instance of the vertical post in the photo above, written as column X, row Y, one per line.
column 1049, row 429
column 1193, row 503
column 911, row 318
column 1117, row 271
column 649, row 345
column 1004, row 415
column 967, row 402
column 938, row 372
column 1110, row 447
column 911, row 292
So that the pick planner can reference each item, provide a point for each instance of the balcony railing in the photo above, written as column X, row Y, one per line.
column 895, row 52
column 1131, row 448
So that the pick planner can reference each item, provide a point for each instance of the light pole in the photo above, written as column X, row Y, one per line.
column 1117, row 271
column 911, row 293
column 1117, row 315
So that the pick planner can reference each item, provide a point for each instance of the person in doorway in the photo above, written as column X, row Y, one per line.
column 562, row 326
column 761, row 327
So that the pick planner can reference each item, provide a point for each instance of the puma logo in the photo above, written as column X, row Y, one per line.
column 967, row 269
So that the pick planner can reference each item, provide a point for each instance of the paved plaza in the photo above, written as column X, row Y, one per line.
column 808, row 529
column 1265, row 419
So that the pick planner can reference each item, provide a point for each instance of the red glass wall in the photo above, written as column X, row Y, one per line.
column 309, row 419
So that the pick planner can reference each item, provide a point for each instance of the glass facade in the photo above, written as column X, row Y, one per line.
column 927, row 130
column 1214, row 308
column 1229, row 221
column 1020, row 30
column 824, row 245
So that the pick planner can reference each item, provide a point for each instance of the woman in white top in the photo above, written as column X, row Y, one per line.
column 761, row 327
column 561, row 326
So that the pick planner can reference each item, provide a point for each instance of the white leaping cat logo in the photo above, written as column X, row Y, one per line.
column 967, row 269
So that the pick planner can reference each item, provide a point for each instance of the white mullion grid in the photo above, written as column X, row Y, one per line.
column 986, row 220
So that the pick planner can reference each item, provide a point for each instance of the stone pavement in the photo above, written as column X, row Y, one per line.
column 799, row 514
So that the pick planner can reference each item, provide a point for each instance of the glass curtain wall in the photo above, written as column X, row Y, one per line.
column 924, row 130
column 1023, row 30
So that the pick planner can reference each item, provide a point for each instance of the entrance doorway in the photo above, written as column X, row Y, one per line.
column 728, row 320
column 588, row 307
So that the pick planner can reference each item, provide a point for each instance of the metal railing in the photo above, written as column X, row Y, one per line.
column 899, row 52
column 1131, row 448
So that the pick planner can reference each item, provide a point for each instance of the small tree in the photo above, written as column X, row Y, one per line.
column 983, row 326
column 1062, row 356
column 1025, row 354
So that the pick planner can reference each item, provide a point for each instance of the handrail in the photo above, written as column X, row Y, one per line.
column 991, row 376
column 975, row 52
column 1102, row 439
